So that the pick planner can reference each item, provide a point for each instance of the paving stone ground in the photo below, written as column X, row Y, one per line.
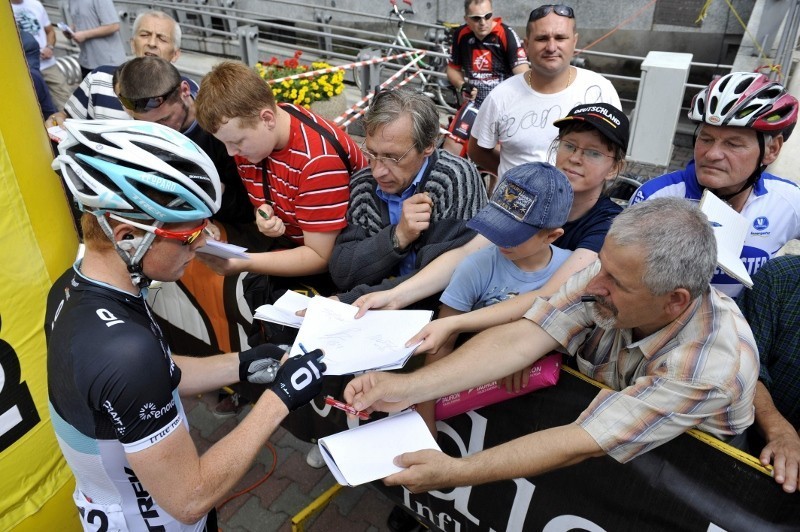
column 291, row 487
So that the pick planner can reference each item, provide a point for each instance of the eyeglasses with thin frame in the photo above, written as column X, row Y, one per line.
column 558, row 9
column 388, row 161
column 185, row 237
column 477, row 18
column 142, row 105
column 590, row 155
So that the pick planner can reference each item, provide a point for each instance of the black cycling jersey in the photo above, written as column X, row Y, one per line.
column 112, row 387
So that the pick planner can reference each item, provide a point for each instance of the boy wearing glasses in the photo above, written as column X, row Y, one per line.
column 411, row 204
column 518, row 114
column 484, row 53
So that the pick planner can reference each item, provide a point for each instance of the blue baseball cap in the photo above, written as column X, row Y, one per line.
column 531, row 197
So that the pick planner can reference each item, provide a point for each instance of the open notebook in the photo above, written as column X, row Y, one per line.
column 376, row 341
column 367, row 452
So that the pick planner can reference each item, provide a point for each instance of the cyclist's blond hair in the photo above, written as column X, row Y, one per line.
column 232, row 90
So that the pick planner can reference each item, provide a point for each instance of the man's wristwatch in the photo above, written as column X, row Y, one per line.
column 395, row 242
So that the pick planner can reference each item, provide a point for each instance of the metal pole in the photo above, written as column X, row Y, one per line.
column 248, row 44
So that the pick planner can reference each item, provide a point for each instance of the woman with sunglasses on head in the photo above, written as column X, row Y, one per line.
column 114, row 386
column 590, row 150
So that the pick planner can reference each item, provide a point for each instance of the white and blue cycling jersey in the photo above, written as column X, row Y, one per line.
column 772, row 210
column 113, row 390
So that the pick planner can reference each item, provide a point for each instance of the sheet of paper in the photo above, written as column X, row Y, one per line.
column 57, row 133
column 730, row 231
column 284, row 309
column 365, row 453
column 374, row 341
column 223, row 250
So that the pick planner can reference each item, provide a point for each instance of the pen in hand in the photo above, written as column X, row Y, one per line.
column 263, row 214
column 346, row 408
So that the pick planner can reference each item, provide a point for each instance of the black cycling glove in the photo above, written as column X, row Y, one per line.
column 466, row 89
column 299, row 379
column 260, row 364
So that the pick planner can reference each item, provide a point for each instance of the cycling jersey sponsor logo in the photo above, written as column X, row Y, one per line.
column 149, row 410
column 521, row 53
column 115, row 419
column 144, row 501
column 761, row 223
column 481, row 60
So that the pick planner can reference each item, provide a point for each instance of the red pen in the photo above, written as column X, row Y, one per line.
column 346, row 408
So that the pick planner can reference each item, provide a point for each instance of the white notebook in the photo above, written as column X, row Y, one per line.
column 376, row 341
column 367, row 452
column 730, row 231
column 283, row 311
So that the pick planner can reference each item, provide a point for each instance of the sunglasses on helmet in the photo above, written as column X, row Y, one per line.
column 142, row 105
column 558, row 9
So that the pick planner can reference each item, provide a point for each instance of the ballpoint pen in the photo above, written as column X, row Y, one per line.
column 346, row 408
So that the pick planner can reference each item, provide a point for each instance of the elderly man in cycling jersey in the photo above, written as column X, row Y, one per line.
column 743, row 119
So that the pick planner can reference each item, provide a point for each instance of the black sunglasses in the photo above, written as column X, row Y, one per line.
column 142, row 105
column 558, row 9
column 478, row 18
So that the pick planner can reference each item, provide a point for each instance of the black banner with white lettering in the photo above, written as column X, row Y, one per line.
column 685, row 484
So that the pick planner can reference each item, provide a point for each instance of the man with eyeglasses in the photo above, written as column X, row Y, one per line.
column 412, row 203
column 151, row 89
column 515, row 122
column 154, row 34
column 484, row 53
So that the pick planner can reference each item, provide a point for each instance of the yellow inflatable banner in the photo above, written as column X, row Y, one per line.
column 37, row 242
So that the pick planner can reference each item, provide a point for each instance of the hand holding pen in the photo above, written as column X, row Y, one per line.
column 268, row 223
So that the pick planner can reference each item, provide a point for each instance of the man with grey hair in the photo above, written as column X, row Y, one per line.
column 643, row 320
column 154, row 34
column 412, row 203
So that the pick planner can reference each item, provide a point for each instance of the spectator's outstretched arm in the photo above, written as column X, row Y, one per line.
column 429, row 280
column 783, row 441
column 527, row 456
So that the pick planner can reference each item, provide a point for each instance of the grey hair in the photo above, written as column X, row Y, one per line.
column 389, row 105
column 678, row 241
column 176, row 28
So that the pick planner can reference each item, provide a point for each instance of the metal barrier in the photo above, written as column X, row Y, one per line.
column 69, row 67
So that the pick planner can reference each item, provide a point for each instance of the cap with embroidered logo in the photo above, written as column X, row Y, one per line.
column 607, row 119
column 531, row 197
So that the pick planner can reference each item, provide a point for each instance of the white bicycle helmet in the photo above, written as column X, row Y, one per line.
column 746, row 99
column 137, row 169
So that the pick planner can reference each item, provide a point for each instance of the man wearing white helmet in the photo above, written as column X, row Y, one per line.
column 114, row 387
column 743, row 119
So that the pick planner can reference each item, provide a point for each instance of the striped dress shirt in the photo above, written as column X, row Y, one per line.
column 699, row 371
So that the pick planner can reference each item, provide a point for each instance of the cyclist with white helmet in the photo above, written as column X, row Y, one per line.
column 743, row 120
column 114, row 387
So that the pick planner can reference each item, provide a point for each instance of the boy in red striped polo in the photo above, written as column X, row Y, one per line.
column 295, row 165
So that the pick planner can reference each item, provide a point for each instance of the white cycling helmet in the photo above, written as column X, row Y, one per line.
column 746, row 99
column 137, row 169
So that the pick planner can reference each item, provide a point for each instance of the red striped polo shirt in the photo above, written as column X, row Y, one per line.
column 308, row 183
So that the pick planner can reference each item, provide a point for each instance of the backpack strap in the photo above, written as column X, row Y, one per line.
column 330, row 137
